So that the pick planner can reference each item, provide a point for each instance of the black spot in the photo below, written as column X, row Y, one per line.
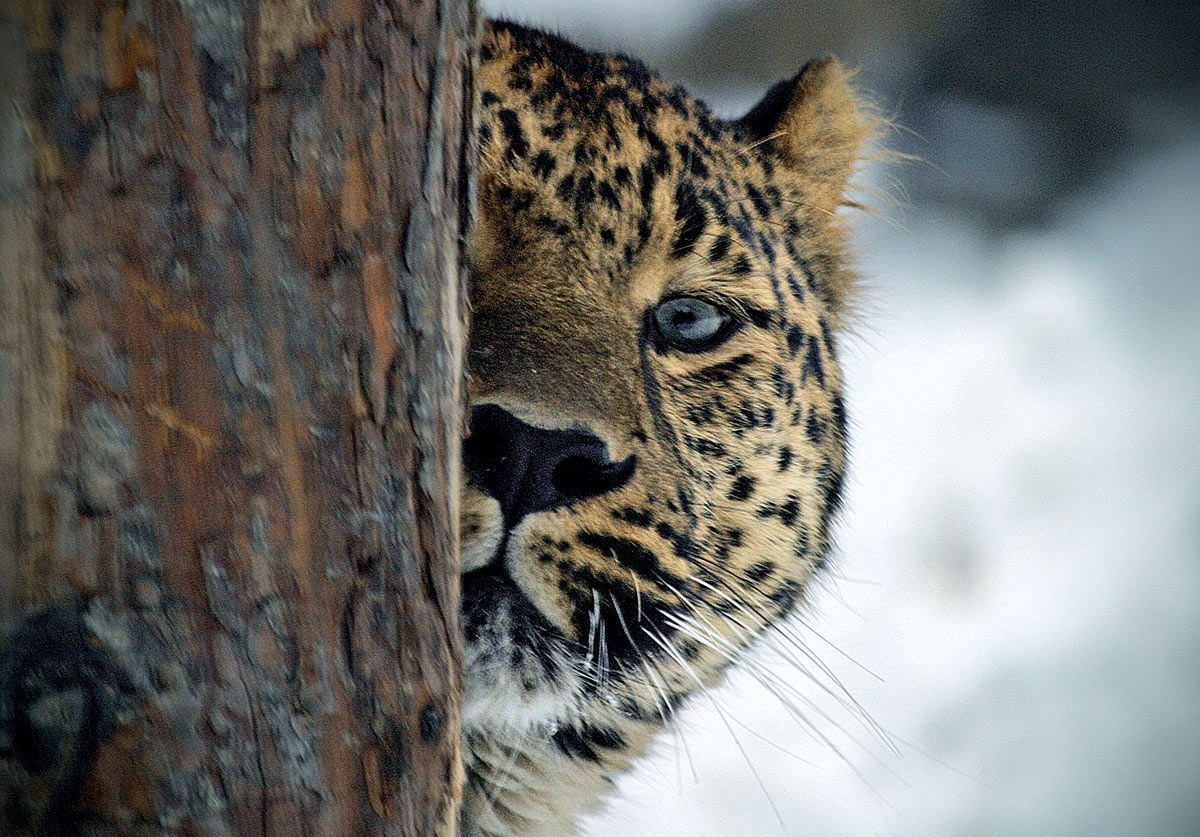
column 607, row 236
column 622, row 608
column 544, row 164
column 838, row 411
column 721, row 372
column 827, row 336
column 638, row 517
column 756, row 198
column 768, row 250
column 622, row 176
column 743, row 488
column 611, row 135
column 786, row 512
column 566, row 187
column 812, row 363
column 677, row 99
column 794, row 286
column 717, row 204
column 785, row 597
column 552, row 225
column 745, row 418
column 584, row 153
column 759, row 316
column 706, row 447
column 795, row 339
column 834, row 485
column 517, row 144
column 630, row 554
column 742, row 266
column 608, row 194
column 789, row 511
column 690, row 220
column 652, row 139
column 814, row 427
column 582, row 743
column 719, row 248
column 519, row 199
column 785, row 458
column 643, row 231
column 585, row 193
column 648, row 178
column 782, row 386
column 760, row 572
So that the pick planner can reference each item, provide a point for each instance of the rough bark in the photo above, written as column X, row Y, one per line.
column 230, row 406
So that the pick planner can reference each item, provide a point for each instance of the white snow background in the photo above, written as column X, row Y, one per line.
column 1016, row 600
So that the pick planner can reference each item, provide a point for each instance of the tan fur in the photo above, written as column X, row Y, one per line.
column 604, row 190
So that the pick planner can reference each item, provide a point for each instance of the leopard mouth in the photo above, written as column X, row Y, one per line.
column 519, row 670
column 490, row 593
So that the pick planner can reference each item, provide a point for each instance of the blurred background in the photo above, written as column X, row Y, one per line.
column 1009, row 643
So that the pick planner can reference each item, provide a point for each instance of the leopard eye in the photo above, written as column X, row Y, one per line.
column 692, row 325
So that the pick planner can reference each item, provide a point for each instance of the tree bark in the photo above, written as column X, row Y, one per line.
column 231, row 389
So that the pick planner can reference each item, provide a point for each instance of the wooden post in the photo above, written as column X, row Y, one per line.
column 232, row 321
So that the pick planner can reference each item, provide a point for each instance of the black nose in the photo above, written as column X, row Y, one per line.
column 528, row 469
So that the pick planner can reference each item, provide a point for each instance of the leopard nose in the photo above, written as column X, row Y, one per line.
column 529, row 469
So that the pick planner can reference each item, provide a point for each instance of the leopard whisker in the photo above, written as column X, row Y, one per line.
column 669, row 647
column 776, row 631
column 663, row 705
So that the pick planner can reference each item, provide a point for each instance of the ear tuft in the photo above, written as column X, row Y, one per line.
column 814, row 124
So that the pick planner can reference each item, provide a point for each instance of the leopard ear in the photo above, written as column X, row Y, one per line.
column 814, row 123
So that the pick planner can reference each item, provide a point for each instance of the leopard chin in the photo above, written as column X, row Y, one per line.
column 520, row 675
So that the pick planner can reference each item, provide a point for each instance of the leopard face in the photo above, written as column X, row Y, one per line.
column 657, row 433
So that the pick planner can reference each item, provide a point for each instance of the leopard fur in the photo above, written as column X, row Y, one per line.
column 603, row 190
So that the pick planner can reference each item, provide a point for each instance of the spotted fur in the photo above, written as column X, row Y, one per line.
column 604, row 190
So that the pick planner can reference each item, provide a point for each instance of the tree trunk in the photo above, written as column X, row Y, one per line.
column 231, row 392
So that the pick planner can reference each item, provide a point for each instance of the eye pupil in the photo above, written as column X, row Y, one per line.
column 690, row 324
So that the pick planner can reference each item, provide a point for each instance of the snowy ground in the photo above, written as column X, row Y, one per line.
column 1020, row 557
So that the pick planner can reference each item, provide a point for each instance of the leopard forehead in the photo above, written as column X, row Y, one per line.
column 603, row 190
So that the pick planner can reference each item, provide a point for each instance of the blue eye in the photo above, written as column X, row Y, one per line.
column 692, row 325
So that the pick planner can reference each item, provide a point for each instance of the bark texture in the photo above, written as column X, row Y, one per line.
column 230, row 406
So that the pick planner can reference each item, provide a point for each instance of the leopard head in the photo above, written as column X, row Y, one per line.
column 657, row 432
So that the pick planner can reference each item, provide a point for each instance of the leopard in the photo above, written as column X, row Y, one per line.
column 657, row 433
